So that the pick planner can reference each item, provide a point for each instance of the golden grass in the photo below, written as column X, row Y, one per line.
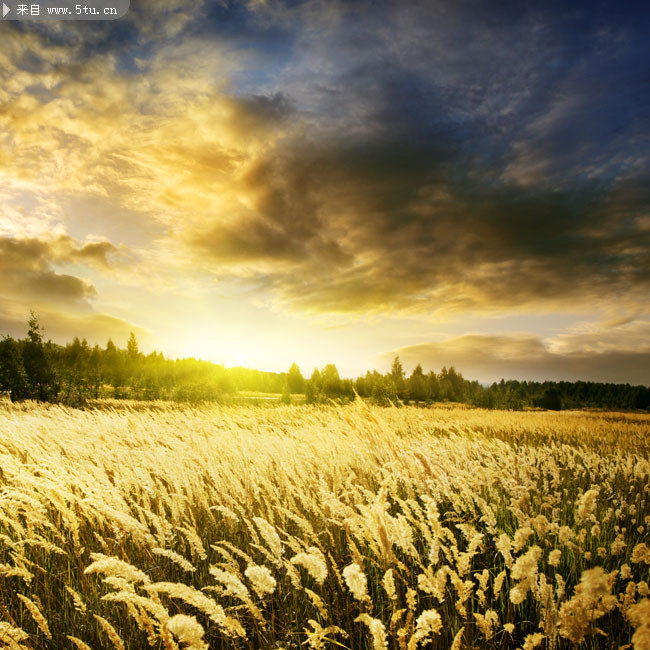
column 322, row 527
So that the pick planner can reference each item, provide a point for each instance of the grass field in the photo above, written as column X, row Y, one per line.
column 323, row 527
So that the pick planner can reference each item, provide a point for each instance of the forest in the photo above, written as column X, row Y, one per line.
column 34, row 368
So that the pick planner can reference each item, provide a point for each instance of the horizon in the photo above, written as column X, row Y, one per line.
column 260, row 182
column 384, row 369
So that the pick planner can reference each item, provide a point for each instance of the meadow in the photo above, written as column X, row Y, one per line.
column 171, row 527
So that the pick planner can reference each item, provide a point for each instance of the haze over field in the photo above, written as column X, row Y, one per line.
column 260, row 182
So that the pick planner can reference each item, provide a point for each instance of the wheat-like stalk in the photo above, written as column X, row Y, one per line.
column 230, row 526
column 111, row 633
column 36, row 615
column 78, row 643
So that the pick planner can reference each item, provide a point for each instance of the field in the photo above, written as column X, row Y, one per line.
column 323, row 527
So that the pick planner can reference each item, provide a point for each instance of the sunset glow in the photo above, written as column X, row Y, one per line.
column 261, row 182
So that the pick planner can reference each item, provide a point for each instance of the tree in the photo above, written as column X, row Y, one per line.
column 455, row 382
column 446, row 390
column 285, row 398
column 312, row 387
column 94, row 371
column 12, row 373
column 114, row 367
column 37, row 362
column 433, row 387
column 417, row 385
column 295, row 379
column 331, row 381
column 132, row 349
column 551, row 400
column 311, row 392
column 397, row 371
column 380, row 390
column 397, row 377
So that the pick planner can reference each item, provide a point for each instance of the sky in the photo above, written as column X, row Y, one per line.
column 258, row 182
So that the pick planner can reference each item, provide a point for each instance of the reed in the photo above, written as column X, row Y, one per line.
column 323, row 527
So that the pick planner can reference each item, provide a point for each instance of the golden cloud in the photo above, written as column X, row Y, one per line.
column 330, row 216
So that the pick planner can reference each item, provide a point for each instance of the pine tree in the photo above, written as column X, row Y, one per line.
column 39, row 370
column 397, row 378
column 132, row 348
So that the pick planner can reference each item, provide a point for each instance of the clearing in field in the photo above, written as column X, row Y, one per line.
column 323, row 527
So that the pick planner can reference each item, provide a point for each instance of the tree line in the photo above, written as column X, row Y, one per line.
column 449, row 385
column 33, row 368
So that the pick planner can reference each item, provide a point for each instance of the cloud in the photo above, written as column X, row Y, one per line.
column 370, row 226
column 368, row 158
column 26, row 271
column 62, row 326
column 31, row 279
column 405, row 171
column 35, row 252
column 624, row 358
column 95, row 253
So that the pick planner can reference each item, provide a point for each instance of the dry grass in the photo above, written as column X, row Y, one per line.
column 323, row 527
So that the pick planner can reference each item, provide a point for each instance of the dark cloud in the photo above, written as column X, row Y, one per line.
column 27, row 268
column 457, row 157
column 374, row 225
column 26, row 272
column 257, row 114
column 527, row 357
